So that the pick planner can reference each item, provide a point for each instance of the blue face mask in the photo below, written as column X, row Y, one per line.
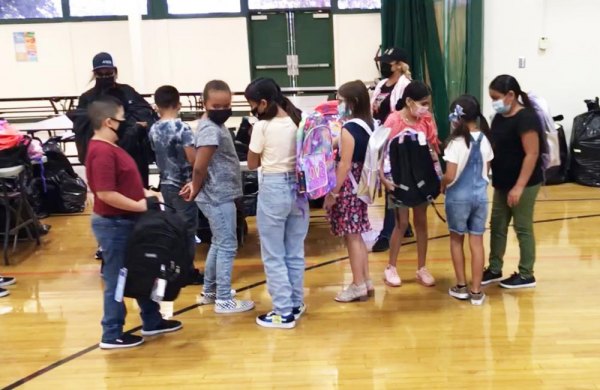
column 343, row 112
column 500, row 107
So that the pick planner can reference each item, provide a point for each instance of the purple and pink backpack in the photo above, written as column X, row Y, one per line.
column 315, row 156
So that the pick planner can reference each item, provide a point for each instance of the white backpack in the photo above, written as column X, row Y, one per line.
column 366, row 188
column 551, row 156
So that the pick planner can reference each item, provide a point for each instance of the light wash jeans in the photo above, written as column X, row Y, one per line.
column 223, row 247
column 112, row 235
column 282, row 221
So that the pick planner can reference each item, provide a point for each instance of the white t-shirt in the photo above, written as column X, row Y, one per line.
column 457, row 152
column 275, row 141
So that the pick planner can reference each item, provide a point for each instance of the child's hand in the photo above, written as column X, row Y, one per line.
column 330, row 200
column 389, row 186
column 187, row 192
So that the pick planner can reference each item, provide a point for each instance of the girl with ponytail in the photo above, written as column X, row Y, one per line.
column 468, row 154
column 517, row 140
column 281, row 218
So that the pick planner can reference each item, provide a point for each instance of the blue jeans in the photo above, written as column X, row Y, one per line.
column 223, row 247
column 282, row 221
column 188, row 211
column 112, row 234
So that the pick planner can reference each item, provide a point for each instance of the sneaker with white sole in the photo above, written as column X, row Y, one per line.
column 477, row 299
column 232, row 306
column 391, row 277
column 273, row 320
column 459, row 292
column 516, row 280
column 209, row 298
column 125, row 341
column 298, row 311
column 490, row 276
column 425, row 278
column 4, row 292
column 7, row 281
column 165, row 326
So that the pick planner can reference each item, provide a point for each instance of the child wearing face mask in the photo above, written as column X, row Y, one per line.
column 468, row 154
column 173, row 143
column 216, row 184
column 517, row 138
column 413, row 113
column 282, row 216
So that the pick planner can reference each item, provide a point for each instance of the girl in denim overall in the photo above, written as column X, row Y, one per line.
column 467, row 154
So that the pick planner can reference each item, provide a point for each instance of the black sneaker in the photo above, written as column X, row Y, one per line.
column 298, row 311
column 125, row 341
column 7, row 281
column 381, row 245
column 409, row 232
column 272, row 320
column 518, row 281
column 490, row 276
column 196, row 278
column 165, row 326
column 98, row 255
column 4, row 292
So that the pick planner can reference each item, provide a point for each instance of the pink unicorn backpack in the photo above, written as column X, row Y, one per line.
column 315, row 157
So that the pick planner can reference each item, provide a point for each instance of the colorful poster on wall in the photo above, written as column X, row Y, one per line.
column 25, row 46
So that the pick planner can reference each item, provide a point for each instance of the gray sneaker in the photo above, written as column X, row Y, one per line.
column 459, row 292
column 209, row 298
column 477, row 299
column 232, row 306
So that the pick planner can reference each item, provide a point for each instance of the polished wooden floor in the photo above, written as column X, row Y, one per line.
column 407, row 337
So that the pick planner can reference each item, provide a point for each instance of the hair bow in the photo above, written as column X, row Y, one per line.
column 458, row 112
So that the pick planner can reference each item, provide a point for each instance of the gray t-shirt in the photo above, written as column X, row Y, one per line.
column 223, row 182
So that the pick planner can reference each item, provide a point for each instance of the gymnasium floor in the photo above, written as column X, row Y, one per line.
column 407, row 337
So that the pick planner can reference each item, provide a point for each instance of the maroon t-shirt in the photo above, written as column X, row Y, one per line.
column 110, row 168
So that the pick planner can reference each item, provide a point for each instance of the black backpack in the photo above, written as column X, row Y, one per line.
column 158, row 239
column 413, row 171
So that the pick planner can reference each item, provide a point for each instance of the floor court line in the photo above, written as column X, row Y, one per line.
column 91, row 348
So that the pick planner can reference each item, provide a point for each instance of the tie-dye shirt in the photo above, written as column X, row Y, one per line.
column 169, row 138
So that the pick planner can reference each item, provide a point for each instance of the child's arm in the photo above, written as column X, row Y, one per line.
column 120, row 201
column 449, row 176
column 389, row 185
column 190, row 154
column 253, row 160
column 343, row 167
column 203, row 156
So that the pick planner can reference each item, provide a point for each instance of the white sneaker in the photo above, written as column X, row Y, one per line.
column 391, row 277
column 209, row 298
column 232, row 306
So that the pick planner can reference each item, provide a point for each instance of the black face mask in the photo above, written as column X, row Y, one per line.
column 386, row 70
column 120, row 129
column 105, row 82
column 219, row 116
column 256, row 114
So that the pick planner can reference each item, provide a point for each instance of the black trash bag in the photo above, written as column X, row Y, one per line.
column 55, row 187
column 585, row 149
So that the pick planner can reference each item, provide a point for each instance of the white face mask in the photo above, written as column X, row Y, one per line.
column 500, row 107
column 420, row 110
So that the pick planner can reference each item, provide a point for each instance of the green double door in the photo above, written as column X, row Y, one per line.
column 295, row 48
